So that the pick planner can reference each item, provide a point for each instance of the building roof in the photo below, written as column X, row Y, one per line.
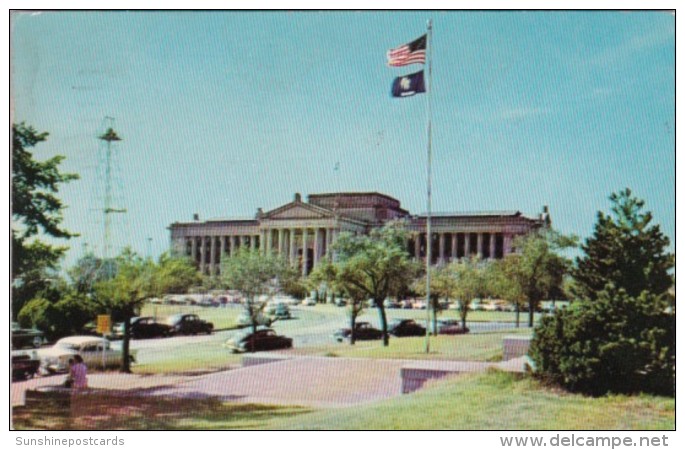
column 473, row 214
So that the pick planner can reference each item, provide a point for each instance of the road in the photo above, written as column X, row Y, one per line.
column 310, row 327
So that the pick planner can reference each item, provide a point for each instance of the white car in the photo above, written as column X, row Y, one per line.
column 309, row 301
column 92, row 349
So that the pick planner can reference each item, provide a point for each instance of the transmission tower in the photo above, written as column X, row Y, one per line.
column 109, row 138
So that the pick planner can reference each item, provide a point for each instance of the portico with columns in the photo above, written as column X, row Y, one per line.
column 303, row 232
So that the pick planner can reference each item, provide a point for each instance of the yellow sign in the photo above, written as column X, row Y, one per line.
column 104, row 324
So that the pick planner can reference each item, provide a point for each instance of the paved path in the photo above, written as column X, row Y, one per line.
column 305, row 381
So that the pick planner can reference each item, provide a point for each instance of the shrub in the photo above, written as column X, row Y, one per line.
column 615, row 343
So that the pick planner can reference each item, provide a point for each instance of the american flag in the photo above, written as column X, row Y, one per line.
column 411, row 53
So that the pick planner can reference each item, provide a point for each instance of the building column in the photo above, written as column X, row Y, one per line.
column 441, row 248
column 453, row 247
column 317, row 245
column 304, row 251
column 222, row 245
column 280, row 241
column 212, row 255
column 467, row 245
column 493, row 240
column 329, row 242
column 507, row 244
column 202, row 254
column 253, row 242
column 479, row 245
column 269, row 241
column 292, row 249
column 193, row 250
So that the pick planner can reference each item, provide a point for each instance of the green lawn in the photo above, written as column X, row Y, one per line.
column 466, row 347
column 491, row 401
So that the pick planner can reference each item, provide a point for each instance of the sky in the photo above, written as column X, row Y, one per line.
column 224, row 112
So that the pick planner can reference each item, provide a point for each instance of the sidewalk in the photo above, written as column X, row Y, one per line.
column 305, row 381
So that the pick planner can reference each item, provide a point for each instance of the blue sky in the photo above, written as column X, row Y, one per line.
column 224, row 112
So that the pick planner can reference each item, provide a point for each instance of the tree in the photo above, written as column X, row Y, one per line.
column 613, row 343
column 469, row 283
column 619, row 334
column 504, row 283
column 35, row 210
column 123, row 294
column 174, row 275
column 329, row 273
column 536, row 267
column 376, row 265
column 626, row 251
column 254, row 275
column 443, row 285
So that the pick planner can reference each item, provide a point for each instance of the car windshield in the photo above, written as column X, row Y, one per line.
column 171, row 320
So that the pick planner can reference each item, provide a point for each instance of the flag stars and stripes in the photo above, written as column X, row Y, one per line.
column 411, row 53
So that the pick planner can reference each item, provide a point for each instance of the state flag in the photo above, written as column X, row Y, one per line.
column 411, row 53
column 408, row 85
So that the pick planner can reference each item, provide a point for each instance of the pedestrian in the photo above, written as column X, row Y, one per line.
column 79, row 373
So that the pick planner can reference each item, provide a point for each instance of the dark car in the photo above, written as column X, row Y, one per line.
column 406, row 327
column 363, row 331
column 448, row 326
column 189, row 324
column 26, row 337
column 24, row 365
column 148, row 327
column 263, row 339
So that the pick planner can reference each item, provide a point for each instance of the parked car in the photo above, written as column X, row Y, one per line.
column 406, row 304
column 26, row 337
column 282, row 311
column 340, row 302
column 419, row 304
column 449, row 326
column 94, row 350
column 406, row 327
column 143, row 328
column 189, row 324
column 24, row 365
column 309, row 301
column 264, row 339
column 363, row 331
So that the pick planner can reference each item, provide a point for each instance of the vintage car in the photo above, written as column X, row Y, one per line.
column 449, row 326
column 144, row 328
column 406, row 327
column 363, row 331
column 95, row 351
column 24, row 364
column 26, row 337
column 263, row 339
column 189, row 324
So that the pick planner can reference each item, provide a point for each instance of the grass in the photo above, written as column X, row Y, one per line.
column 467, row 347
column 490, row 401
column 191, row 358
column 494, row 401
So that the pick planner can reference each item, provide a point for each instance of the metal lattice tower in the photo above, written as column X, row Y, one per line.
column 108, row 138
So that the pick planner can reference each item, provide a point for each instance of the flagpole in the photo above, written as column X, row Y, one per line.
column 429, row 241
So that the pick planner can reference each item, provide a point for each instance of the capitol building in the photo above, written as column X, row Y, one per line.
column 303, row 231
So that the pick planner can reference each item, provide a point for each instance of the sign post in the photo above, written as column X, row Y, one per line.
column 104, row 327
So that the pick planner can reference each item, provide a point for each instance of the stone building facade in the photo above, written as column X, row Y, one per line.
column 303, row 231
